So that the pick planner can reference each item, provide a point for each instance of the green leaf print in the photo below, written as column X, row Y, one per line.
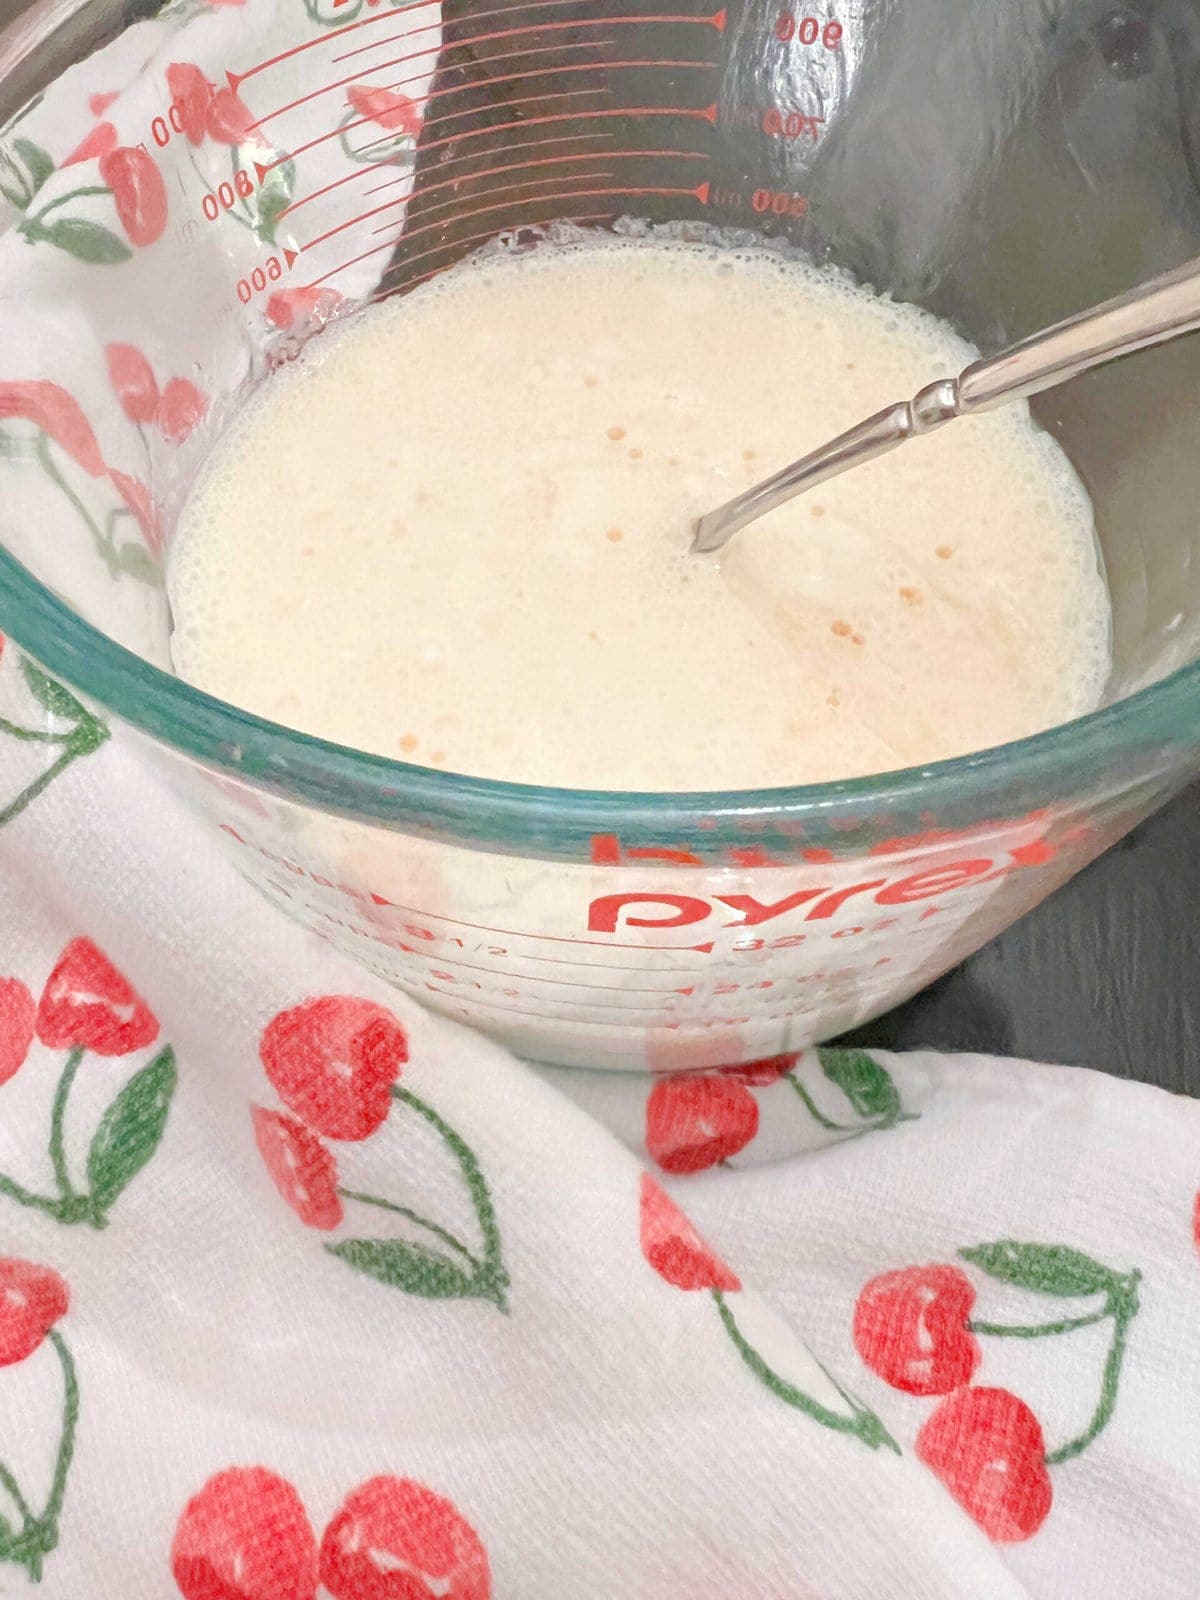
column 130, row 1131
column 1046, row 1268
column 14, row 184
column 273, row 196
column 415, row 1268
column 86, row 241
column 59, row 702
column 863, row 1081
column 37, row 163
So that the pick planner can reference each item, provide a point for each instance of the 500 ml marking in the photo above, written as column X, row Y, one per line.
column 808, row 30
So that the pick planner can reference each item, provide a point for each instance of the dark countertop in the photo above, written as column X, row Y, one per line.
column 1106, row 973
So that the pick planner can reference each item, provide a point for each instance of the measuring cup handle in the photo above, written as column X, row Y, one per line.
column 1152, row 313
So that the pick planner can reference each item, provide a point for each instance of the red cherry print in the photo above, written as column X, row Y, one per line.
column 245, row 1536
column 182, row 406
column 333, row 1062
column 54, row 411
column 99, row 142
column 32, row 1299
column 139, row 500
column 88, row 1004
column 391, row 110
column 393, row 1539
column 759, row 1074
column 287, row 307
column 229, row 119
column 191, row 96
column 673, row 1247
column 987, row 1447
column 692, row 1123
column 301, row 1168
column 133, row 381
column 17, row 1012
column 139, row 192
column 98, row 104
column 911, row 1328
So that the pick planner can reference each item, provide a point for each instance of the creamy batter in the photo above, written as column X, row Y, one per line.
column 456, row 532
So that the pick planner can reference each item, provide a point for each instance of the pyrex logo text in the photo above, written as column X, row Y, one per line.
column 653, row 909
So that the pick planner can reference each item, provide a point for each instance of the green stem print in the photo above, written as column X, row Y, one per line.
column 865, row 1084
column 1035, row 1330
column 131, row 558
column 127, row 1136
column 396, row 150
column 85, row 734
column 37, row 1537
column 32, row 226
column 417, row 1267
column 433, row 1228
column 860, row 1423
column 1060, row 1272
column 58, row 1114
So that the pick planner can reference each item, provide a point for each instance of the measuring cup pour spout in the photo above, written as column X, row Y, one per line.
column 1154, row 312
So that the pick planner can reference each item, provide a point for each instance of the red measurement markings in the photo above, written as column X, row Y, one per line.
column 454, row 161
column 491, row 38
column 237, row 78
column 700, row 192
column 717, row 21
column 705, row 114
column 492, row 193
column 530, row 166
column 443, row 183
column 434, row 272
column 645, row 1012
column 534, row 977
column 524, row 144
column 516, row 77
column 539, row 938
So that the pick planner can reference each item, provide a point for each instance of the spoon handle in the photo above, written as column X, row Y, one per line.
column 1150, row 314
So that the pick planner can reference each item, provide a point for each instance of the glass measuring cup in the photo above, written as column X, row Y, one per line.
column 267, row 166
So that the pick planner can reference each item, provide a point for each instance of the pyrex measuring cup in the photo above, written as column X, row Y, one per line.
column 201, row 187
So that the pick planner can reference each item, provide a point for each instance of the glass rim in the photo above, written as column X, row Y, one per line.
column 343, row 780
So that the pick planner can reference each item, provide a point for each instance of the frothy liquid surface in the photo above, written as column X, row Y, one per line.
column 456, row 532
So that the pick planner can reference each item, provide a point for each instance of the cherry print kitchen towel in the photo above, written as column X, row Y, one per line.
column 308, row 1295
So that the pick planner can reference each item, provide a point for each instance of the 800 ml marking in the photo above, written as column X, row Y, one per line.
column 226, row 195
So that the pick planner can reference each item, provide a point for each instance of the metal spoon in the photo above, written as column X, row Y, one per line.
column 1154, row 312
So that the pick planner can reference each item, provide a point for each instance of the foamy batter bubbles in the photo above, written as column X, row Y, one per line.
column 456, row 532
